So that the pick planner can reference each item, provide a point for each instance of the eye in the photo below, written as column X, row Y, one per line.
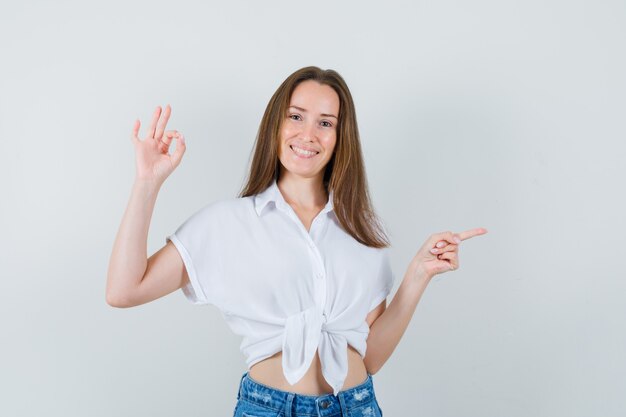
column 328, row 124
column 294, row 115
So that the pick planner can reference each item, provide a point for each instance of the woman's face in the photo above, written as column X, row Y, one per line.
column 309, row 130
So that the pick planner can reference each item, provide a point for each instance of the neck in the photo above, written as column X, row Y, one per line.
column 302, row 192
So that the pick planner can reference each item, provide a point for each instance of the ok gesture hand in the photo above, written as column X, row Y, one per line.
column 153, row 162
column 440, row 253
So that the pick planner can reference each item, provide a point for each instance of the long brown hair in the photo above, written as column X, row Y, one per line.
column 345, row 172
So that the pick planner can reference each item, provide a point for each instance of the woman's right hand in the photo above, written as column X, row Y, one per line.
column 153, row 162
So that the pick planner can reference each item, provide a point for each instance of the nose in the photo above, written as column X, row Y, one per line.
column 308, row 131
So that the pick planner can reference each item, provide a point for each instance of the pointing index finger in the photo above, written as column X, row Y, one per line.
column 471, row 233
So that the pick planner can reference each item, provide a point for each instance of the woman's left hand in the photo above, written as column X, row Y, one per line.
column 440, row 253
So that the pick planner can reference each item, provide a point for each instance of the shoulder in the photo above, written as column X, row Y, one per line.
column 380, row 254
column 215, row 220
column 225, row 208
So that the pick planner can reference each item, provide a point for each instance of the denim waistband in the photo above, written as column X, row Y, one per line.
column 315, row 405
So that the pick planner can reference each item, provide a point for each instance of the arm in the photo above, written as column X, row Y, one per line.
column 387, row 330
column 133, row 279
column 438, row 255
column 128, row 262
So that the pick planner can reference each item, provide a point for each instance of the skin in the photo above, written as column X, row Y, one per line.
column 310, row 123
column 133, row 280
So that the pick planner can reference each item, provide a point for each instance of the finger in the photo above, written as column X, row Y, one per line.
column 162, row 122
column 133, row 136
column 166, row 140
column 153, row 123
column 180, row 150
column 448, row 237
column 451, row 257
column 471, row 233
column 447, row 248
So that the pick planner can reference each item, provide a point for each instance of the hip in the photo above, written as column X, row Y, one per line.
column 255, row 399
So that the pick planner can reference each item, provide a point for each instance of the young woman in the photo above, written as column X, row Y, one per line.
column 297, row 263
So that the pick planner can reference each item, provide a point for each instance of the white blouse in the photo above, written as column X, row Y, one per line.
column 283, row 288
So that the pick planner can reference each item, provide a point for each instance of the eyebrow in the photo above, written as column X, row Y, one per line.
column 323, row 114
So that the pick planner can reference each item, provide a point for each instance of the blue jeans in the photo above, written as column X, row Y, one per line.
column 258, row 400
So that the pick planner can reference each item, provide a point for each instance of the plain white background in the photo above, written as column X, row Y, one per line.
column 507, row 115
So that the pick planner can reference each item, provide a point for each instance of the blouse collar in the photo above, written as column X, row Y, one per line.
column 272, row 193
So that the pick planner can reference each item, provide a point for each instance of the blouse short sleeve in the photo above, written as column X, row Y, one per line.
column 384, row 282
column 195, row 241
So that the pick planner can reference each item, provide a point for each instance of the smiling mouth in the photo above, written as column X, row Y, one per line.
column 303, row 153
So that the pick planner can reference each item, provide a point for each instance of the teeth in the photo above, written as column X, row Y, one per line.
column 302, row 151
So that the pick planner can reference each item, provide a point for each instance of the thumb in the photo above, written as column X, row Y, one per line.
column 180, row 150
column 133, row 137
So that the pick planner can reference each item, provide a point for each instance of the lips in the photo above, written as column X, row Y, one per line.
column 303, row 152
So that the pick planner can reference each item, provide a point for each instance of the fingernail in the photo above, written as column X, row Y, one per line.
column 440, row 244
column 433, row 250
column 457, row 240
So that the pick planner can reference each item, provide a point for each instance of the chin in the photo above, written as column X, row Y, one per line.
column 302, row 173
column 296, row 170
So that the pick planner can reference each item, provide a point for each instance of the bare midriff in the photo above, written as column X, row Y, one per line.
column 270, row 372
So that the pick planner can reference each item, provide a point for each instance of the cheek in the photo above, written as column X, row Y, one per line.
column 287, row 130
column 283, row 136
column 330, row 142
column 281, row 149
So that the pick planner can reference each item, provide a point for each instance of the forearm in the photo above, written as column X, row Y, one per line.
column 388, row 328
column 129, row 255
